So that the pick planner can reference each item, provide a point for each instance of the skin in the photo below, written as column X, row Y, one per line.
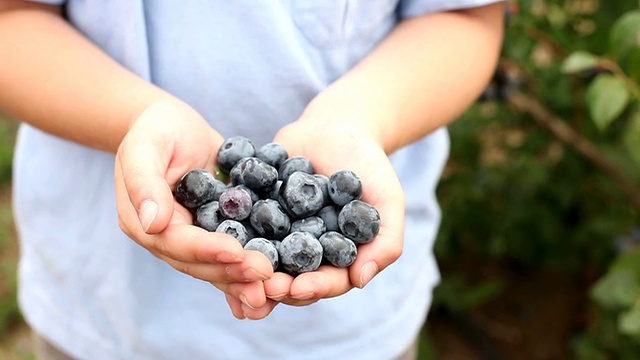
column 421, row 77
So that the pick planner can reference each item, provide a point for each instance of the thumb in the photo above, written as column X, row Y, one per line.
column 141, row 168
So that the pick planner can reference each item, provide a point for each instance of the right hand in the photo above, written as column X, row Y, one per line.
column 167, row 140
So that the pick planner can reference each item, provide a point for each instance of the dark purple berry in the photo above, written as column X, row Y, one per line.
column 293, row 164
column 235, row 203
column 273, row 154
column 208, row 216
column 255, row 174
column 269, row 219
column 266, row 247
column 312, row 224
column 300, row 252
column 344, row 186
column 301, row 195
column 233, row 149
column 337, row 249
column 359, row 221
column 197, row 187
column 235, row 229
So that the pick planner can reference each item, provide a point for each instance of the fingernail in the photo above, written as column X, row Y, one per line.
column 367, row 272
column 304, row 296
column 252, row 274
column 244, row 300
column 148, row 213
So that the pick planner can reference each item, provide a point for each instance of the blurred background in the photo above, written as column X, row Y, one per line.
column 539, row 245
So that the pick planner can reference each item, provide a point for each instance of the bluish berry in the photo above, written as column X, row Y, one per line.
column 208, row 216
column 235, row 203
column 337, row 249
column 275, row 193
column 301, row 195
column 300, row 252
column 197, row 187
column 344, row 186
column 235, row 229
column 273, row 154
column 266, row 247
column 233, row 149
column 323, row 180
column 359, row 221
column 269, row 219
column 293, row 164
column 311, row 224
column 255, row 174
column 329, row 214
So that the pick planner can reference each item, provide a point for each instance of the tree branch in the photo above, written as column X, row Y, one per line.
column 582, row 145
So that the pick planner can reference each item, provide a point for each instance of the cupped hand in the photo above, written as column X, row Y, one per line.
column 167, row 140
column 333, row 146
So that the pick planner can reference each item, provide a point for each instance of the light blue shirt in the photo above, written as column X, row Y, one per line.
column 248, row 67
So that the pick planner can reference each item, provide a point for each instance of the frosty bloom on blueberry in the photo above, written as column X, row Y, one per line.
column 279, row 206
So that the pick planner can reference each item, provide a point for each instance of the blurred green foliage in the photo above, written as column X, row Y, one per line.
column 517, row 194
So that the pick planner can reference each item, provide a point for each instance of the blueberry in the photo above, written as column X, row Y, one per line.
column 359, row 221
column 208, row 216
column 329, row 214
column 293, row 164
column 274, row 194
column 269, row 219
column 344, row 186
column 323, row 180
column 266, row 247
column 196, row 188
column 254, row 196
column 312, row 224
column 301, row 195
column 337, row 249
column 251, row 232
column 300, row 252
column 233, row 149
column 255, row 174
column 235, row 203
column 273, row 154
column 235, row 229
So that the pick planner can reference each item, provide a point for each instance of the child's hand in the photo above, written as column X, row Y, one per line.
column 163, row 143
column 330, row 147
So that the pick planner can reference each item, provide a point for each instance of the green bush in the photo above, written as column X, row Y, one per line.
column 545, row 173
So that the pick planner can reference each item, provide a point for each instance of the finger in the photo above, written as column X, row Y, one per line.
column 252, row 269
column 277, row 287
column 249, row 294
column 326, row 282
column 242, row 311
column 141, row 167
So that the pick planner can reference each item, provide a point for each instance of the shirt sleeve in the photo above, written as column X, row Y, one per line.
column 409, row 8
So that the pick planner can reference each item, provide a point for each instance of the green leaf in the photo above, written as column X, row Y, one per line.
column 629, row 322
column 606, row 98
column 579, row 61
column 617, row 289
column 632, row 137
column 625, row 33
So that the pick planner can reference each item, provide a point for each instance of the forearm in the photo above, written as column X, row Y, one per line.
column 55, row 79
column 422, row 76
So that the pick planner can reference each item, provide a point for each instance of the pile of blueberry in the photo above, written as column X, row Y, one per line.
column 278, row 205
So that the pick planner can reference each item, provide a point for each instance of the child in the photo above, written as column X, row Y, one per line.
column 120, row 98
